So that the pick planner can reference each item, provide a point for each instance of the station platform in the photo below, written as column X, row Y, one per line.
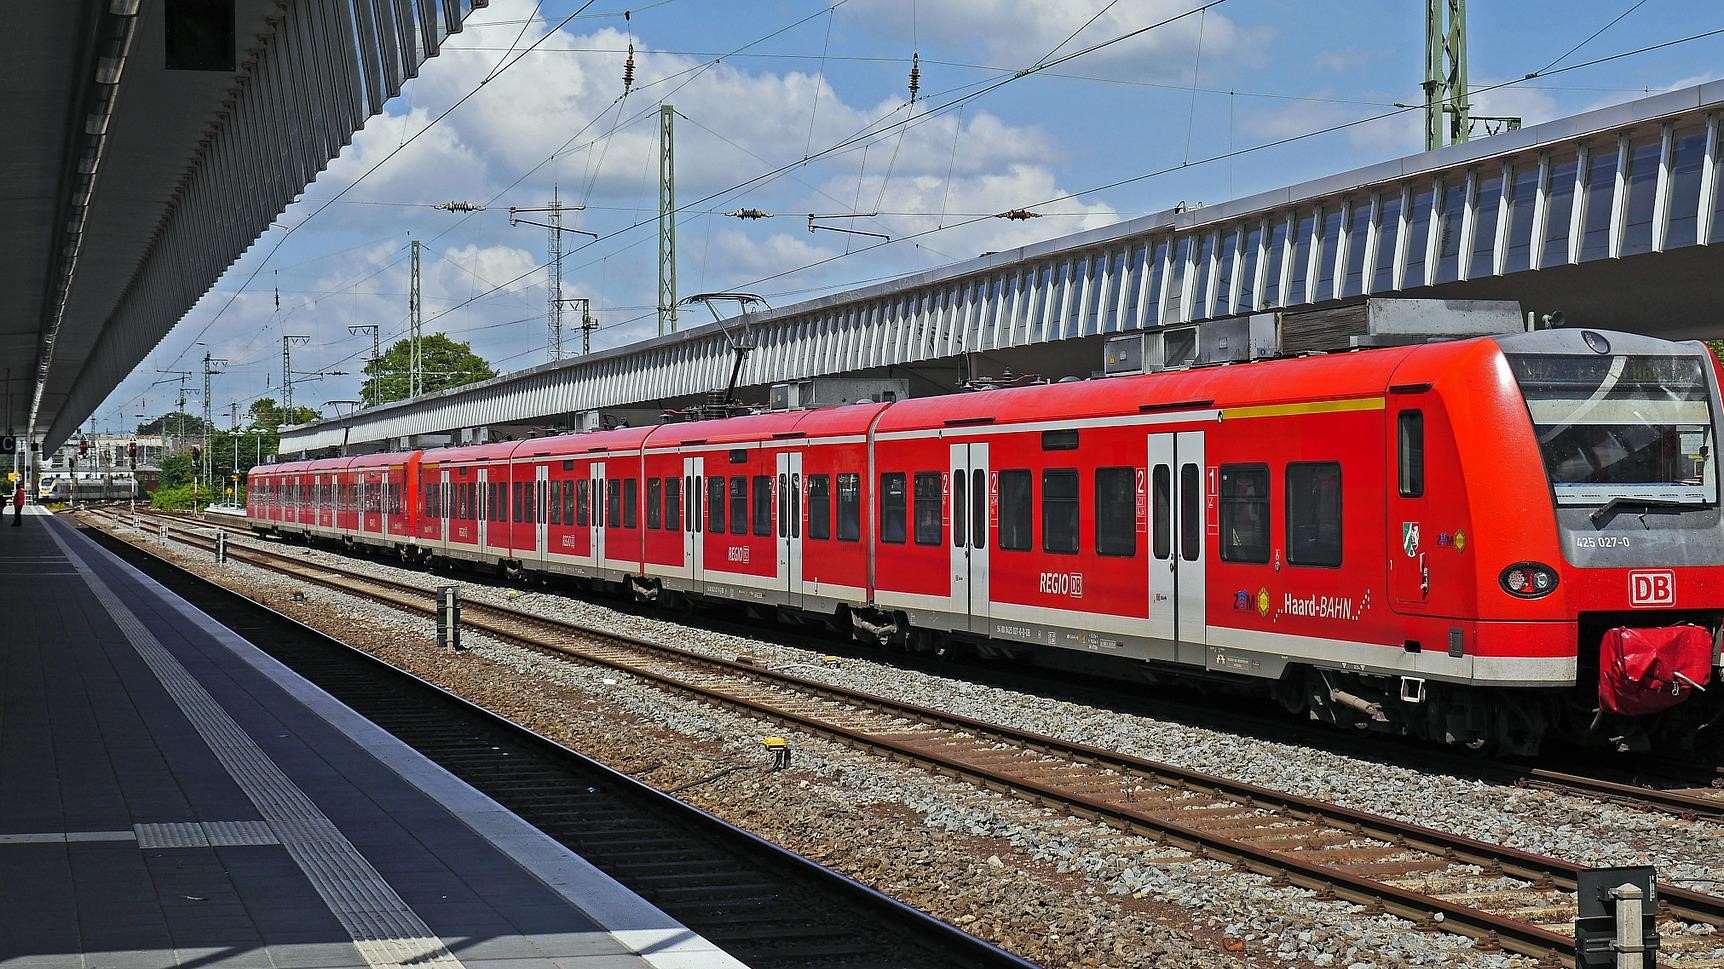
column 171, row 796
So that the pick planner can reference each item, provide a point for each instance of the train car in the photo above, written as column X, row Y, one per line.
column 1481, row 541
column 591, row 520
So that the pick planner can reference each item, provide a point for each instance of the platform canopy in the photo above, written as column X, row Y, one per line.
column 148, row 144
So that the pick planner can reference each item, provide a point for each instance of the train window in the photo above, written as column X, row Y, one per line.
column 613, row 503
column 516, row 503
column 783, row 505
column 568, row 465
column 1060, row 511
column 1314, row 514
column 631, row 501
column 672, row 503
column 583, row 503
column 1245, row 513
column 687, row 512
column 556, row 502
column 1015, row 503
column 796, row 506
column 1190, row 512
column 1116, row 511
column 739, row 505
column 597, row 494
column 715, row 504
column 1410, row 446
column 694, row 505
column 819, row 506
column 928, row 499
column 763, row 504
column 1161, row 511
column 569, row 490
column 849, row 507
column 654, row 496
column 1059, row 440
column 892, row 507
column 960, row 508
column 978, row 508
column 738, row 455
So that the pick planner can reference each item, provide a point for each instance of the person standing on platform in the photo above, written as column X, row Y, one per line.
column 18, row 504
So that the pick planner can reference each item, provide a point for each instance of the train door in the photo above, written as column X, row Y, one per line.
column 693, row 546
column 1409, row 511
column 482, row 509
column 1177, row 608
column 443, row 509
column 541, row 530
column 969, row 492
column 790, row 524
column 596, row 497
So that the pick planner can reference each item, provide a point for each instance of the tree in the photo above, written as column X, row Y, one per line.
column 173, row 424
column 177, row 471
column 446, row 364
column 266, row 414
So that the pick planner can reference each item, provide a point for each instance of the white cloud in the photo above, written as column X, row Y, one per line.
column 1017, row 33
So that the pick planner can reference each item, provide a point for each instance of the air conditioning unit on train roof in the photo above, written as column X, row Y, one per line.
column 835, row 391
column 1396, row 322
column 1370, row 323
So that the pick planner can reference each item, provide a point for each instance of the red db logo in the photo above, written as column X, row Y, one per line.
column 1652, row 588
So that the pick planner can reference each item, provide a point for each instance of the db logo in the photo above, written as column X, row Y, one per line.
column 1652, row 588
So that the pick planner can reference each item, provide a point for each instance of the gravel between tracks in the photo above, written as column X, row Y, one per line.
column 1056, row 890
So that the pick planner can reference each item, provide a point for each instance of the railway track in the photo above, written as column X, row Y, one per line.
column 1501, row 897
column 1687, row 791
column 764, row 905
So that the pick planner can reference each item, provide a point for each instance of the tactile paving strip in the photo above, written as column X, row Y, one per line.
column 385, row 930
column 205, row 834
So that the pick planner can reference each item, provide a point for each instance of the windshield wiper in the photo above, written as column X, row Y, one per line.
column 1609, row 507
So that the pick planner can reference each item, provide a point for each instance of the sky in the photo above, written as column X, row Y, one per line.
column 803, row 106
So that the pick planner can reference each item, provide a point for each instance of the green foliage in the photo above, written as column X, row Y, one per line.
column 265, row 413
column 1717, row 348
column 175, row 424
column 182, row 498
column 177, row 471
column 446, row 364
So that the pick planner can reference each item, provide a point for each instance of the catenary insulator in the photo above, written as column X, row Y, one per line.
column 915, row 75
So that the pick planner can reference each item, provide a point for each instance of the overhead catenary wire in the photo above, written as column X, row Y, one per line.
column 1236, row 153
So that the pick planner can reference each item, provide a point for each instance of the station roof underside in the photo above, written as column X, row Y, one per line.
column 1613, row 217
column 131, row 186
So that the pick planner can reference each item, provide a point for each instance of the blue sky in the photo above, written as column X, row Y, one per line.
column 759, row 85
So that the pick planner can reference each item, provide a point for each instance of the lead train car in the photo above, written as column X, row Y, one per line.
column 1452, row 540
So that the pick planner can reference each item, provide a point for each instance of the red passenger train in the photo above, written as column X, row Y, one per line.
column 1484, row 541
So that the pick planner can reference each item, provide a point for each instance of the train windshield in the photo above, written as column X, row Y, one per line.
column 1632, row 427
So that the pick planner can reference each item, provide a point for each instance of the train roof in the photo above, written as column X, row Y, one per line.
column 381, row 459
column 566, row 445
column 462, row 453
column 824, row 422
column 1326, row 377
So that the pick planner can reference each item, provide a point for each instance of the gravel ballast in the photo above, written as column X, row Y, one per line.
column 1057, row 890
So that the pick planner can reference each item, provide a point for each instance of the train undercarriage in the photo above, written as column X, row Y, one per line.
column 1496, row 721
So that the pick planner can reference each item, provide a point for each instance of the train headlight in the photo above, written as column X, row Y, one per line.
column 1528, row 580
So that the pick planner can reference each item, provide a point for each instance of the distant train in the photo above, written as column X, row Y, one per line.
column 90, row 486
column 1484, row 541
